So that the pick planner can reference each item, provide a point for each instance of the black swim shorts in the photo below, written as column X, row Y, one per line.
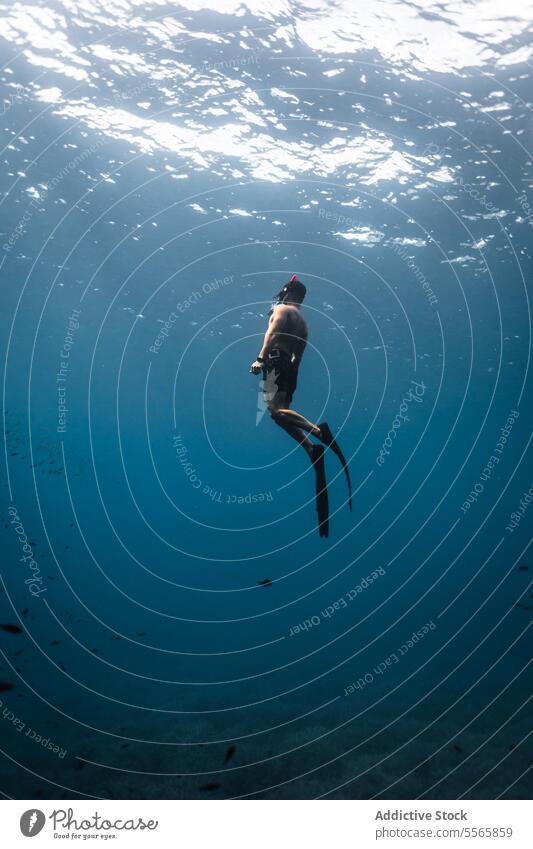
column 280, row 374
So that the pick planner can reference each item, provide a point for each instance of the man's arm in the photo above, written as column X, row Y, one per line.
column 275, row 326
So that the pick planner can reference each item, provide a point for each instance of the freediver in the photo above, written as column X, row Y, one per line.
column 279, row 360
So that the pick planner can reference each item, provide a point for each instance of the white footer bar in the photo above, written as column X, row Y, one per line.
column 268, row 824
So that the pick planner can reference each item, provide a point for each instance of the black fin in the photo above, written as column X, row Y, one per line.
column 327, row 438
column 322, row 504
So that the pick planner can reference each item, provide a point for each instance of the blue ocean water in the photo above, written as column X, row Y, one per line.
column 180, row 629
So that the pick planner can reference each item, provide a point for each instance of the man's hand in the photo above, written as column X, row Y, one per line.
column 256, row 367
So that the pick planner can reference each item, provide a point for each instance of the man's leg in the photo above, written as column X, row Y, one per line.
column 289, row 425
column 291, row 417
column 314, row 452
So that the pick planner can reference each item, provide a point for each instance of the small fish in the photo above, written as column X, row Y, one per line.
column 11, row 629
column 94, row 651
column 457, row 748
column 523, row 568
column 140, row 634
column 210, row 786
column 55, row 642
column 5, row 685
column 266, row 582
column 229, row 754
column 24, row 611
column 124, row 745
column 80, row 764
column 18, row 652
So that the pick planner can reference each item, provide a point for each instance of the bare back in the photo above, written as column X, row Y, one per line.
column 289, row 330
